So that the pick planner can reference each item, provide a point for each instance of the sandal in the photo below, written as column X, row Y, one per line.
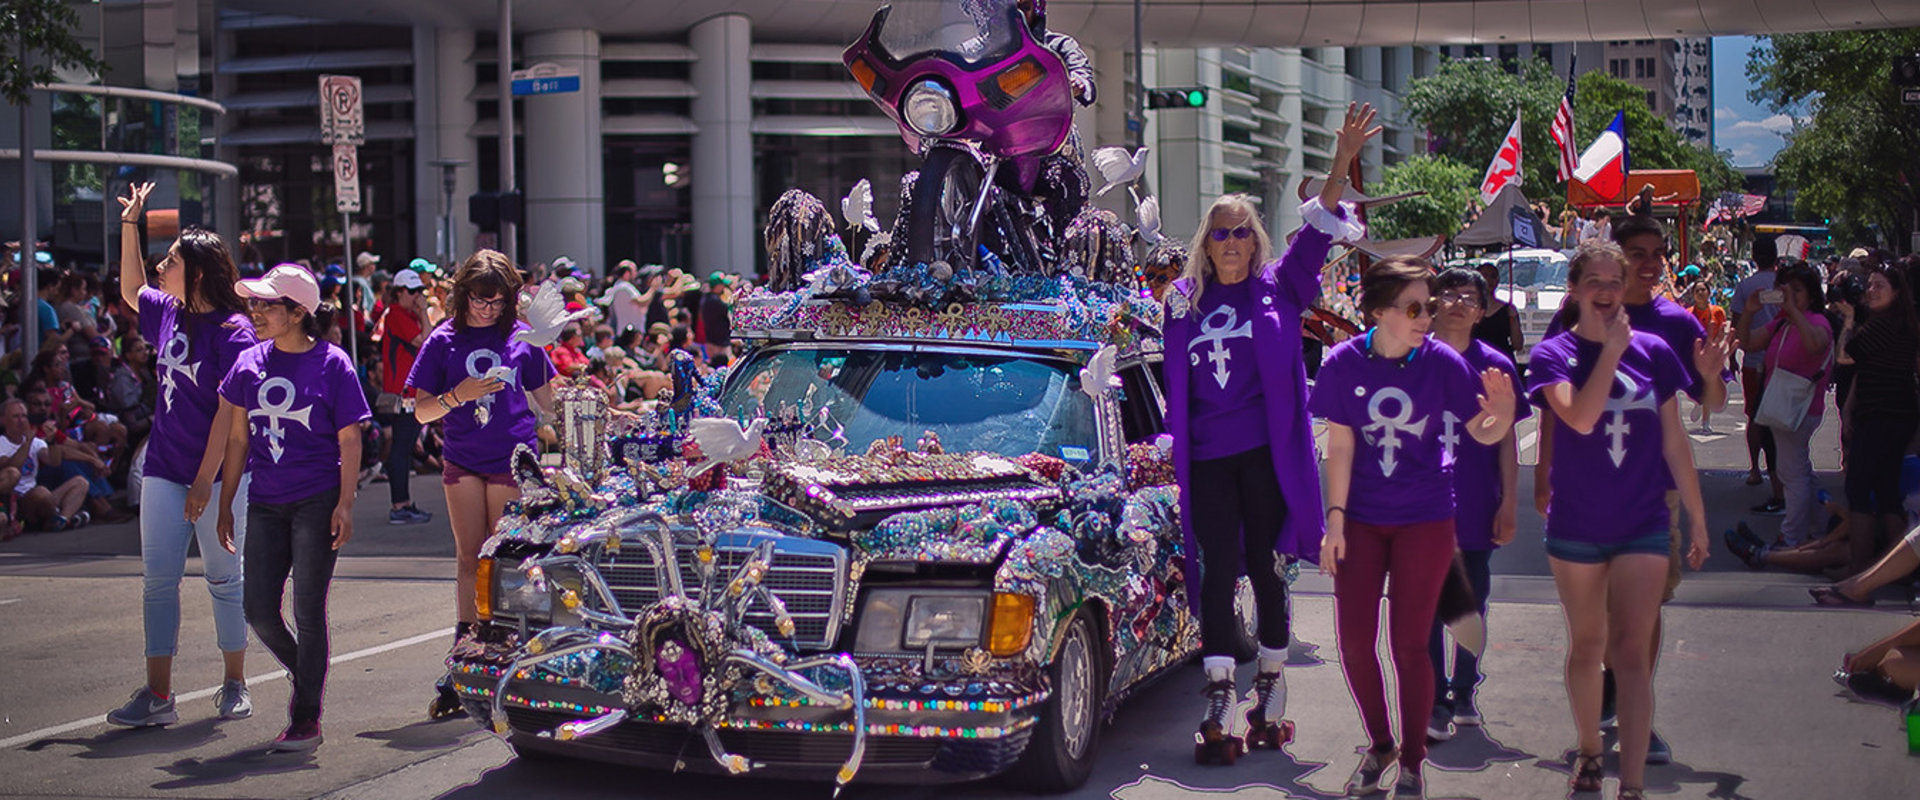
column 1587, row 773
column 1631, row 793
column 1831, row 596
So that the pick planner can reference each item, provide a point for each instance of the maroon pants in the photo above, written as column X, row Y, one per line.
column 1418, row 556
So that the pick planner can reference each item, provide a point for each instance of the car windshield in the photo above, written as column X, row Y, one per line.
column 974, row 30
column 999, row 403
column 1535, row 272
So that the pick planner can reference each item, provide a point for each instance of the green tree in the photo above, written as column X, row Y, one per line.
column 1450, row 188
column 44, row 30
column 1855, row 156
column 1467, row 106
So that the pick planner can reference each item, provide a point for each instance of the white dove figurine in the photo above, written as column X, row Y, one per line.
column 722, row 441
column 1097, row 377
column 857, row 207
column 1148, row 211
column 546, row 315
column 1117, row 167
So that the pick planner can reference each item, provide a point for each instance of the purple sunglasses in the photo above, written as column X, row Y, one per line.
column 1221, row 234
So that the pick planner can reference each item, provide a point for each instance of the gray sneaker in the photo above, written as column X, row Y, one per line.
column 233, row 700
column 143, row 709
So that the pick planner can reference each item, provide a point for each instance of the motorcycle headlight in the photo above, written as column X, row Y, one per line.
column 929, row 109
column 515, row 595
column 945, row 621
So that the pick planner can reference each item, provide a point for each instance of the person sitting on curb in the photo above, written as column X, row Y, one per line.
column 42, row 509
column 1857, row 591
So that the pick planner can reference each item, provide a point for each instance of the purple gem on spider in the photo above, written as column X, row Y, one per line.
column 680, row 668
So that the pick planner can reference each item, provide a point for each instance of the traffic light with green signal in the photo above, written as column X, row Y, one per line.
column 1182, row 97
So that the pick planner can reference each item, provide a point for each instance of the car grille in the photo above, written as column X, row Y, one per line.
column 773, row 747
column 806, row 575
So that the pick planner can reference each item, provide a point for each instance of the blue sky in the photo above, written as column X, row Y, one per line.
column 1750, row 132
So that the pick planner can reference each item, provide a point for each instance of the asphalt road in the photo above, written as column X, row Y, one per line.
column 1744, row 691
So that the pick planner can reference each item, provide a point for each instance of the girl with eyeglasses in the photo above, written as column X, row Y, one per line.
column 1881, row 340
column 1392, row 400
column 476, row 376
column 1618, row 444
column 295, row 409
column 198, row 328
column 1242, row 445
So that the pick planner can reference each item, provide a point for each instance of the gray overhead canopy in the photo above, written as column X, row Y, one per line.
column 1495, row 225
column 1178, row 23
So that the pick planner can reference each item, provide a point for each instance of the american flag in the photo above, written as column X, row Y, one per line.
column 1562, row 130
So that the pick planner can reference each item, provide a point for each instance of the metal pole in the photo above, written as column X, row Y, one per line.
column 1139, row 83
column 508, row 245
column 29, row 272
column 346, row 250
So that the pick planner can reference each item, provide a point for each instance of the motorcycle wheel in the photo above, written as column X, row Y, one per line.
column 943, row 198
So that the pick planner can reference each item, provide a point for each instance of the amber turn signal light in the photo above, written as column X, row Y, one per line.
column 1011, row 629
column 483, row 590
column 1020, row 78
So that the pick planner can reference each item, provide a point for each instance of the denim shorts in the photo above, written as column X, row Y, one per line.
column 1652, row 544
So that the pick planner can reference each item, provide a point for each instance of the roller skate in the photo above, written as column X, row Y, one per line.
column 446, row 703
column 1266, row 727
column 1215, row 742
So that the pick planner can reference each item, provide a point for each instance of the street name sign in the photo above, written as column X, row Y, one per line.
column 545, row 78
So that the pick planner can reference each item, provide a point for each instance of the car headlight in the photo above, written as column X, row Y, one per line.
column 516, row 595
column 929, row 109
column 945, row 621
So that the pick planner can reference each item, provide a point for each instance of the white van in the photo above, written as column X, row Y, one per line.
column 1535, row 282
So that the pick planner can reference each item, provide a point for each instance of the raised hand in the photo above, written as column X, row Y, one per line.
column 1497, row 398
column 135, row 203
column 1619, row 336
column 1353, row 135
column 1710, row 352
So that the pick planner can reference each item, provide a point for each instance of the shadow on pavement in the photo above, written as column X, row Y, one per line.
column 1472, row 749
column 1302, row 653
column 428, row 735
column 130, row 742
column 1662, row 779
column 536, row 777
column 252, row 761
column 1283, row 784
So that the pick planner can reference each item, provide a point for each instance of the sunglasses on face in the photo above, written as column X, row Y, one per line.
column 1459, row 298
column 1221, row 234
column 490, row 302
column 1418, row 310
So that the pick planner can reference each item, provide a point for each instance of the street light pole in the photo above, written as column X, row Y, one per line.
column 449, row 181
column 30, row 285
column 1139, row 83
column 508, row 245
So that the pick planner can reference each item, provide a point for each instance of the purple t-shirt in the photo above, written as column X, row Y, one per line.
column 1398, row 411
column 192, row 352
column 1227, row 415
column 452, row 354
column 296, row 404
column 1477, row 488
column 1675, row 325
column 1610, row 485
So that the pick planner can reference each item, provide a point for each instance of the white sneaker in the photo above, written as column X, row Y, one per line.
column 233, row 700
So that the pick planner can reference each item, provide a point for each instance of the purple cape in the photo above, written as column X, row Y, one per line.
column 1282, row 290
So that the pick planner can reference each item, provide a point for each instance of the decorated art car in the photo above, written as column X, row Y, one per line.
column 893, row 542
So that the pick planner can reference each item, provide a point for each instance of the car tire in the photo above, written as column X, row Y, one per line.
column 1059, row 757
column 1246, row 622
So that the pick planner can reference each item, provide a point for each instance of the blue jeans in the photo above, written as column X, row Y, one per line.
column 1466, row 668
column 294, row 539
column 164, row 535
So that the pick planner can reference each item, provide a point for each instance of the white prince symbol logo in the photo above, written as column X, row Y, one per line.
column 479, row 362
column 174, row 364
column 1626, row 396
column 277, row 413
column 1385, row 431
column 1218, row 333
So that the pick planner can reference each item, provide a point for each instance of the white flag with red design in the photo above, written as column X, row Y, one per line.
column 1505, row 167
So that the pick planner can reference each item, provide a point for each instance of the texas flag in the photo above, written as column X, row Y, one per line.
column 1505, row 167
column 1604, row 166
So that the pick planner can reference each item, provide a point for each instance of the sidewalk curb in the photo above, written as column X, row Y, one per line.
column 429, row 778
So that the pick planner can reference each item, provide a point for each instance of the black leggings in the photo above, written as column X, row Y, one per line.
column 1237, row 516
column 1875, row 447
column 293, row 539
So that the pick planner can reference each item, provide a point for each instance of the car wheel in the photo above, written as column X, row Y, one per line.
column 1060, row 755
column 1246, row 622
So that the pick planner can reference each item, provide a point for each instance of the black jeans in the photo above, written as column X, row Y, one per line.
column 1466, row 668
column 1237, row 516
column 1875, row 447
column 403, row 432
column 293, row 539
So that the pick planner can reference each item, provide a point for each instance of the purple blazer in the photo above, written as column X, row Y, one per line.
column 1283, row 289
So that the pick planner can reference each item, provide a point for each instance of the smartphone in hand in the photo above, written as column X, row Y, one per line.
column 1772, row 297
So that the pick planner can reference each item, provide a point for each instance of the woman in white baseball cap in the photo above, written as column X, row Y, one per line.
column 296, row 407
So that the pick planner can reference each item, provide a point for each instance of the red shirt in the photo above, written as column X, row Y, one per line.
column 397, row 350
column 569, row 361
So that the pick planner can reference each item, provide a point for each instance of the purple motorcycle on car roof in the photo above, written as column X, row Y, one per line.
column 987, row 104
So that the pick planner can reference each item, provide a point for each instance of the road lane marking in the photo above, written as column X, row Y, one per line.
column 11, row 600
column 188, row 697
